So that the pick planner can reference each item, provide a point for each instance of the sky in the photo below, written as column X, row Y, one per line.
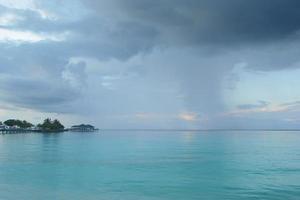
column 169, row 64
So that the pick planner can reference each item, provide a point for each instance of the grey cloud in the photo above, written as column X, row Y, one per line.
column 74, row 74
column 39, row 81
column 260, row 104
column 38, row 94
column 295, row 103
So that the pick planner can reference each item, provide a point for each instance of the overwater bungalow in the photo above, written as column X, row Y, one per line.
column 83, row 128
column 3, row 127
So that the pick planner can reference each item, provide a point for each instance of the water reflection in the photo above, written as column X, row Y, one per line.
column 189, row 136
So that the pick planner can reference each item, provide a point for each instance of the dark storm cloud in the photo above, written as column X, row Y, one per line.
column 212, row 21
column 121, row 29
column 192, row 22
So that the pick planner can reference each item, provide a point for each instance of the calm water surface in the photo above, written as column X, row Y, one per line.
column 150, row 165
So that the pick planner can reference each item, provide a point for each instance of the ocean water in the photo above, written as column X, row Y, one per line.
column 151, row 165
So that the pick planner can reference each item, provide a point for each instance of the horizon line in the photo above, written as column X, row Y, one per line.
column 194, row 130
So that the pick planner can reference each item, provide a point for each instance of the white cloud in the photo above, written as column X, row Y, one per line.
column 7, row 35
column 27, row 5
column 18, row 4
column 190, row 117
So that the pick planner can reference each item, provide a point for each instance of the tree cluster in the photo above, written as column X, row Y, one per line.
column 19, row 123
column 51, row 125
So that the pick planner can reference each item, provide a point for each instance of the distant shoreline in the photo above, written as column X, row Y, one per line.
column 48, row 126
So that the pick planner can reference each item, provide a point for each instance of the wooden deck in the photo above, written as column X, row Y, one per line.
column 19, row 130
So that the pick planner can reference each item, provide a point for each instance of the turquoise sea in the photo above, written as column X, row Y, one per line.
column 151, row 165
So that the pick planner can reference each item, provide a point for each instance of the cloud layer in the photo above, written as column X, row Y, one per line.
column 111, row 62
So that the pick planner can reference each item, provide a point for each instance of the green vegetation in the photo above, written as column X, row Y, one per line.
column 48, row 126
column 19, row 123
column 51, row 125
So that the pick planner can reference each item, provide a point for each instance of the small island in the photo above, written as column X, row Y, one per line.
column 51, row 126
column 48, row 126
